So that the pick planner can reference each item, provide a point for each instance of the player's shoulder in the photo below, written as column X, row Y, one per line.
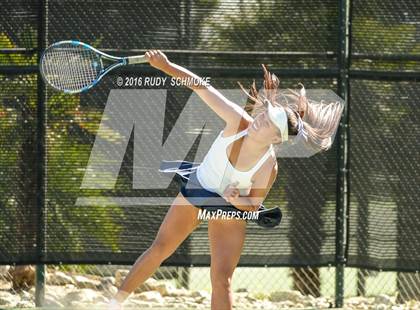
column 235, row 127
column 271, row 164
column 268, row 169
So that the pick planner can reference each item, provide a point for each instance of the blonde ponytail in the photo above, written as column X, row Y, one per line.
column 312, row 122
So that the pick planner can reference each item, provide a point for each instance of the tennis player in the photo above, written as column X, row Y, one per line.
column 240, row 167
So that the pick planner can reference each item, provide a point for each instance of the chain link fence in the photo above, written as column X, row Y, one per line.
column 46, row 139
column 255, row 288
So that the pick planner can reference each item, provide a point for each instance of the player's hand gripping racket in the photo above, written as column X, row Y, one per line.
column 74, row 67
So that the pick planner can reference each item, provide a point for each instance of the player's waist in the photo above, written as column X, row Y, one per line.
column 218, row 180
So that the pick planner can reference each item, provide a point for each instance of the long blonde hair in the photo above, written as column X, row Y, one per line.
column 320, row 120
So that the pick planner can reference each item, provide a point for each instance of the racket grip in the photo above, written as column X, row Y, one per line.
column 136, row 59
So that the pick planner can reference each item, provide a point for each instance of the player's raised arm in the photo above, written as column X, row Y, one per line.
column 230, row 112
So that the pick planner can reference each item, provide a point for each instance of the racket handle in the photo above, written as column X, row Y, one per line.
column 136, row 59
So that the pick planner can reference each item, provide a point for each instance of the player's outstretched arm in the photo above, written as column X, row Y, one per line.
column 227, row 110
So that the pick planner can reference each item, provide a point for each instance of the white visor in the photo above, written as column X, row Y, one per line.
column 278, row 116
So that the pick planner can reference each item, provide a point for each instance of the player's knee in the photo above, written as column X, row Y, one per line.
column 221, row 283
column 221, row 279
column 161, row 250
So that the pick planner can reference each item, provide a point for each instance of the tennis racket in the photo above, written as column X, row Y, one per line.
column 74, row 67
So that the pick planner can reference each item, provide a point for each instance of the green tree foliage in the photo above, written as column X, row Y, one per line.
column 69, row 128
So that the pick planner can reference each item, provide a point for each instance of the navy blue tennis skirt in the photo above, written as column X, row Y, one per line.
column 185, row 173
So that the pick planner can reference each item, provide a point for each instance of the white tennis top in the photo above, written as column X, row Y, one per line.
column 216, row 172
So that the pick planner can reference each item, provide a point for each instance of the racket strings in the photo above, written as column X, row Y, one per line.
column 70, row 67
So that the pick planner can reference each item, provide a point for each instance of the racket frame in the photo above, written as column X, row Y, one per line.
column 119, row 61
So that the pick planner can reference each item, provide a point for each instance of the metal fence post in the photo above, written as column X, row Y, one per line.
column 342, row 152
column 40, row 190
